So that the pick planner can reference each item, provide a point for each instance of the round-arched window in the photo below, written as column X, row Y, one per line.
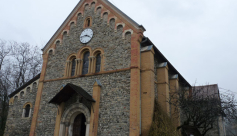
column 27, row 110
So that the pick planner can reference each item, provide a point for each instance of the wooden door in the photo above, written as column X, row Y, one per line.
column 79, row 127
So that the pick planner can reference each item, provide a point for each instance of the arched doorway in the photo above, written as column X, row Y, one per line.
column 79, row 126
column 74, row 118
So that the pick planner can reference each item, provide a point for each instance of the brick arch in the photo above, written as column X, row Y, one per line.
column 65, row 31
column 94, row 54
column 123, row 24
column 118, row 24
column 51, row 49
column 97, row 50
column 73, row 21
column 24, row 106
column 83, row 50
column 71, row 56
column 102, row 13
column 99, row 6
column 127, row 31
column 58, row 40
column 92, row 3
column 86, row 4
column 79, row 13
column 110, row 18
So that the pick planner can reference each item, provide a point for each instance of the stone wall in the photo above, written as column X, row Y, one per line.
column 114, row 103
column 117, row 51
column 16, row 124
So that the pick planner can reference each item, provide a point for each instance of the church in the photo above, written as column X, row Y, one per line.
column 100, row 77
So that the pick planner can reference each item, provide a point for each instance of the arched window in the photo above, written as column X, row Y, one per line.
column 27, row 110
column 85, row 63
column 34, row 86
column 22, row 94
column 28, row 89
column 98, row 63
column 88, row 22
column 15, row 98
column 73, row 67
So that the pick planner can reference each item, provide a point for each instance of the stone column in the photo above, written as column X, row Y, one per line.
column 163, row 87
column 67, row 68
column 77, row 66
column 147, row 90
column 30, row 112
column 62, row 129
column 23, row 113
column 87, row 128
column 102, row 62
column 90, row 65
column 174, row 87
column 92, row 62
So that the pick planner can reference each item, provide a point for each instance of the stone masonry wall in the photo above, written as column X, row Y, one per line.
column 16, row 124
column 114, row 103
column 117, row 50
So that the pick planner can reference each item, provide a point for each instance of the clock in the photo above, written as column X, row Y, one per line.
column 86, row 35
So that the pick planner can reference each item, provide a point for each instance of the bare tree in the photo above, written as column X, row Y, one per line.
column 19, row 62
column 201, row 108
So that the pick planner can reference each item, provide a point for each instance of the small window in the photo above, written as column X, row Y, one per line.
column 27, row 110
column 98, row 63
column 87, row 22
column 85, row 63
column 73, row 67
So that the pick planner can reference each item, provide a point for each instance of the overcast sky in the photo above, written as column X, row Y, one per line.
column 198, row 37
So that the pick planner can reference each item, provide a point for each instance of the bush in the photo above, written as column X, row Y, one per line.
column 162, row 124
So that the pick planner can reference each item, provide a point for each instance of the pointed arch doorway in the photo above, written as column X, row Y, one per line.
column 79, row 127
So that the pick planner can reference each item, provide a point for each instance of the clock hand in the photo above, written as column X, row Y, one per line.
column 87, row 35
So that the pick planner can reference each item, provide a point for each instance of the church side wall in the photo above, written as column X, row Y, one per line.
column 17, row 125
column 114, row 103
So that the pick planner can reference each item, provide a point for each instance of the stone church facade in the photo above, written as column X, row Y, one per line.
column 100, row 77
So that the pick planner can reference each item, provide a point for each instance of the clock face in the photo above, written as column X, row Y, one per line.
column 86, row 35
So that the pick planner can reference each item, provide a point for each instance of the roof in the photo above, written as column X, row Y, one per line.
column 74, row 11
column 25, row 85
column 206, row 90
column 147, row 42
column 67, row 92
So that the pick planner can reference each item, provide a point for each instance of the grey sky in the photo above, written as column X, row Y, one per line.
column 198, row 37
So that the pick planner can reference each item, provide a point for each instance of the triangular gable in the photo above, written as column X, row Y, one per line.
column 107, row 6
column 67, row 92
